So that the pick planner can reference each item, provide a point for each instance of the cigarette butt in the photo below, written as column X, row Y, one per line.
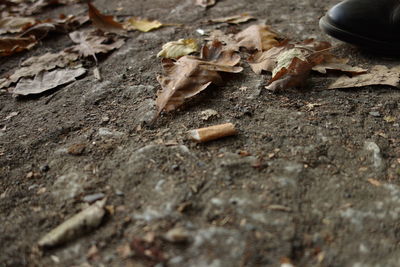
column 213, row 132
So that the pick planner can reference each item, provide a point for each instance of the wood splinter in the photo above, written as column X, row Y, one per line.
column 213, row 132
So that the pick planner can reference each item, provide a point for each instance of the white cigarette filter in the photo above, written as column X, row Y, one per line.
column 213, row 132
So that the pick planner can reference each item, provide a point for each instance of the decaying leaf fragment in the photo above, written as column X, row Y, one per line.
column 47, row 80
column 103, row 22
column 257, row 37
column 293, row 75
column 90, row 43
column 34, row 65
column 142, row 25
column 378, row 75
column 206, row 3
column 12, row 45
column 177, row 49
column 190, row 75
column 15, row 24
column 236, row 19
column 294, row 62
column 337, row 64
column 84, row 221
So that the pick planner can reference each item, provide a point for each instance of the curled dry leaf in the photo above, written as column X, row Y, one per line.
column 378, row 75
column 227, row 39
column 337, row 64
column 103, row 22
column 15, row 24
column 190, row 75
column 257, row 37
column 47, row 80
column 206, row 3
column 265, row 61
column 34, row 65
column 84, row 221
column 292, row 75
column 142, row 25
column 294, row 63
column 89, row 43
column 237, row 19
column 177, row 49
column 64, row 24
column 12, row 45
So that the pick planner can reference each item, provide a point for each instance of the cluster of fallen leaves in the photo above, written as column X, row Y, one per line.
column 188, row 69
column 290, row 63
column 40, row 73
column 19, row 31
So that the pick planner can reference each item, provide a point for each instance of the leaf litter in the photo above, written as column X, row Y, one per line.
column 90, row 43
column 289, row 63
column 47, row 80
column 177, row 49
column 190, row 75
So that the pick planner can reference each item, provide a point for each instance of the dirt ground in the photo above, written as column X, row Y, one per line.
column 294, row 186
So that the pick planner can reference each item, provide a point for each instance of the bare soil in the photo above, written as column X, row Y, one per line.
column 292, row 186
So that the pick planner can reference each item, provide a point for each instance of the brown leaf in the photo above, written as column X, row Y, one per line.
column 89, row 43
column 47, row 80
column 293, row 63
column 257, row 37
column 294, row 75
column 15, row 24
column 103, row 22
column 189, row 75
column 237, row 19
column 337, row 64
column 206, row 3
column 32, row 7
column 378, row 75
column 227, row 39
column 12, row 45
column 63, row 24
column 34, row 65
column 265, row 61
column 142, row 25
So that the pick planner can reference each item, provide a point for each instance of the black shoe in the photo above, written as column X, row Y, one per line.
column 371, row 24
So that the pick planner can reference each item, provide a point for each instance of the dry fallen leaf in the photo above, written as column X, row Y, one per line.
column 12, row 45
column 237, row 19
column 293, row 63
column 265, row 61
column 34, row 65
column 206, row 3
column 324, row 67
column 103, row 22
column 89, row 44
column 378, row 75
column 257, row 37
column 177, row 49
column 190, row 75
column 337, row 64
column 142, row 25
column 15, row 24
column 47, row 80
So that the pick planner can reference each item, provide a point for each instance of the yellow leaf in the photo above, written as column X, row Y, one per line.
column 177, row 49
column 142, row 25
